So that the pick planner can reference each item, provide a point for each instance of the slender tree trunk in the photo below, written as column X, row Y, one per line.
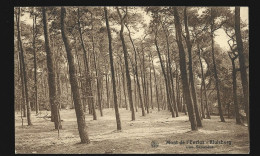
column 128, row 78
column 51, row 73
column 97, row 76
column 82, row 128
column 80, row 77
column 186, row 89
column 120, row 88
column 24, row 70
column 118, row 122
column 22, row 77
column 156, row 87
column 107, row 91
column 169, row 73
column 67, row 90
column 151, row 86
column 191, row 77
column 136, row 73
column 90, row 97
column 164, row 74
column 148, row 95
column 170, row 84
column 201, row 102
column 22, row 82
column 178, row 91
column 135, row 94
column 215, row 68
column 238, row 121
column 144, row 85
column 71, row 95
column 204, row 85
column 22, row 103
column 58, row 88
column 242, row 65
column 35, row 66
column 123, row 81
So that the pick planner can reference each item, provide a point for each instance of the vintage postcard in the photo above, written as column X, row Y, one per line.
column 131, row 79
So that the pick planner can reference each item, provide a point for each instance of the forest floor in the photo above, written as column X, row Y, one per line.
column 165, row 132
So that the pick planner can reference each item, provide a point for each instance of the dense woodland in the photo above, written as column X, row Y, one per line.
column 94, row 58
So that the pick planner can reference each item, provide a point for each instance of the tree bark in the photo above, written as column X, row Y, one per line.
column 136, row 73
column 186, row 89
column 24, row 70
column 80, row 77
column 156, row 87
column 215, row 68
column 118, row 122
column 123, row 82
column 178, row 90
column 169, row 73
column 90, row 98
column 146, row 102
column 238, row 121
column 191, row 77
column 35, row 65
column 82, row 128
column 164, row 74
column 128, row 78
column 107, row 91
column 51, row 73
column 151, row 88
column 242, row 65
column 204, row 84
column 97, row 77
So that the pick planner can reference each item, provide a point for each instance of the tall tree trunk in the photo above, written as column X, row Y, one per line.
column 238, row 121
column 71, row 95
column 169, row 73
column 136, row 73
column 90, row 97
column 150, row 76
column 164, row 74
column 169, row 82
column 35, row 65
column 201, row 102
column 119, row 86
column 242, row 64
column 215, row 68
column 128, row 78
column 97, row 77
column 123, row 81
column 21, row 76
column 67, row 89
column 118, row 122
column 151, row 88
column 204, row 84
column 58, row 88
column 22, row 82
column 80, row 77
column 144, row 85
column 136, row 100
column 107, row 91
column 186, row 89
column 23, row 65
column 191, row 77
column 156, row 87
column 51, row 73
column 82, row 128
column 178, row 90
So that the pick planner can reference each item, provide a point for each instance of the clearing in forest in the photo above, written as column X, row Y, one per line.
column 157, row 132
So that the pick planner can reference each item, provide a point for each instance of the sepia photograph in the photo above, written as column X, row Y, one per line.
column 131, row 80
